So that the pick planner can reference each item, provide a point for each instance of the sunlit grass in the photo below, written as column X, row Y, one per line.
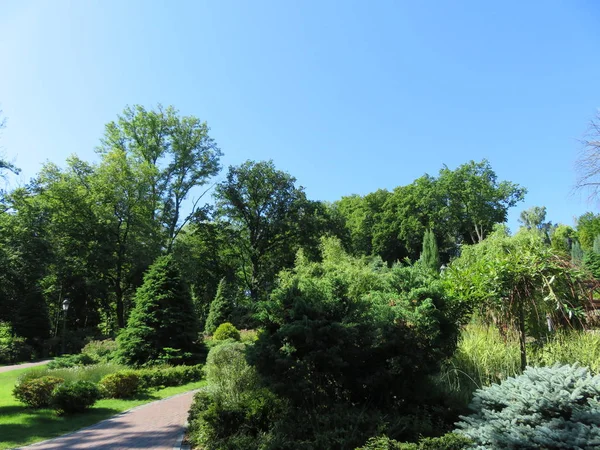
column 20, row 425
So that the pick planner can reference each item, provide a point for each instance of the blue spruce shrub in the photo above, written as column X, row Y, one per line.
column 554, row 407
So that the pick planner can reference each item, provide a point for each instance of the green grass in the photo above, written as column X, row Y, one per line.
column 20, row 425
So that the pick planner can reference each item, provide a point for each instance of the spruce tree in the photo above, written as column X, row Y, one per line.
column 576, row 253
column 220, row 308
column 163, row 320
column 430, row 255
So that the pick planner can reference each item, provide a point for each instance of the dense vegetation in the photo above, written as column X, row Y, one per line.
column 377, row 317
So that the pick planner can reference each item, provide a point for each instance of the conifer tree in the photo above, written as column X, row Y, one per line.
column 576, row 253
column 163, row 320
column 220, row 308
column 596, row 246
column 430, row 255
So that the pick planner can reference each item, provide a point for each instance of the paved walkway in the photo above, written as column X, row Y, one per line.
column 23, row 366
column 158, row 425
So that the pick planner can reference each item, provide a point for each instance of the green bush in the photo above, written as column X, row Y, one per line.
column 546, row 407
column 226, row 331
column 101, row 351
column 66, row 361
column 169, row 376
column 13, row 348
column 36, row 392
column 228, row 373
column 450, row 441
column 74, row 397
column 245, row 424
column 220, row 308
column 124, row 384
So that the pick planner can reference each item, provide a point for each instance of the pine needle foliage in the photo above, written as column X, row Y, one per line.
column 163, row 318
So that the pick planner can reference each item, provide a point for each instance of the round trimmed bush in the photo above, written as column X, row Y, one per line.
column 123, row 384
column 36, row 392
column 226, row 331
column 74, row 397
column 546, row 407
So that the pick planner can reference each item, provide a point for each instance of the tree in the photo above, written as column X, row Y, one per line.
column 562, row 238
column 163, row 319
column 533, row 219
column 176, row 155
column 430, row 256
column 476, row 200
column 269, row 215
column 588, row 227
column 220, row 308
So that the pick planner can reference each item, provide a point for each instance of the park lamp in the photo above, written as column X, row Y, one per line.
column 65, row 304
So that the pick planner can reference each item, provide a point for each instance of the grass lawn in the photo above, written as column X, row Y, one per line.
column 20, row 425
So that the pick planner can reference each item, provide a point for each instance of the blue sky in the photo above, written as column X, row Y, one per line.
column 347, row 96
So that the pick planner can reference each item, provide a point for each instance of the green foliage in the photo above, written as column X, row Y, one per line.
column 101, row 351
column 93, row 373
column 123, row 384
column 269, row 218
column 576, row 253
column 73, row 397
column 220, row 308
column 591, row 261
column 226, row 331
column 13, row 348
column 246, row 424
column 235, row 413
column 588, row 227
column 37, row 392
column 61, row 362
column 549, row 407
column 519, row 281
column 450, row 441
column 228, row 373
column 562, row 238
column 570, row 347
column 163, row 317
column 169, row 376
column 483, row 357
column 430, row 256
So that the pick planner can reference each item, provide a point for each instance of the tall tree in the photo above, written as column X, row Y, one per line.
column 269, row 213
column 176, row 154
column 476, row 199
column 588, row 162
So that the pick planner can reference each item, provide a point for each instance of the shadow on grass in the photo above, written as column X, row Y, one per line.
column 36, row 425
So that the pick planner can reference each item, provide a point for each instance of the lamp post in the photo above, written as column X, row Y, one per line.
column 65, row 307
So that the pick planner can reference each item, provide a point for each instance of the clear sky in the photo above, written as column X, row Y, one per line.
column 347, row 96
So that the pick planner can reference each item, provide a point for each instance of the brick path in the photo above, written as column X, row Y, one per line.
column 23, row 366
column 157, row 425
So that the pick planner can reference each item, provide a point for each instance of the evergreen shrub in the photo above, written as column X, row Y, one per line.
column 74, row 397
column 546, row 407
column 66, row 361
column 226, row 331
column 124, row 384
column 36, row 392
column 169, row 376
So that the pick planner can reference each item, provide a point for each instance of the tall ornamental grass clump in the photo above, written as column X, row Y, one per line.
column 569, row 347
column 554, row 407
column 78, row 373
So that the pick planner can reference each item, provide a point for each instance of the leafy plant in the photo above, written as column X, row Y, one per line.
column 74, row 397
column 546, row 407
column 101, row 351
column 36, row 392
column 226, row 331
column 124, row 384
column 169, row 376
